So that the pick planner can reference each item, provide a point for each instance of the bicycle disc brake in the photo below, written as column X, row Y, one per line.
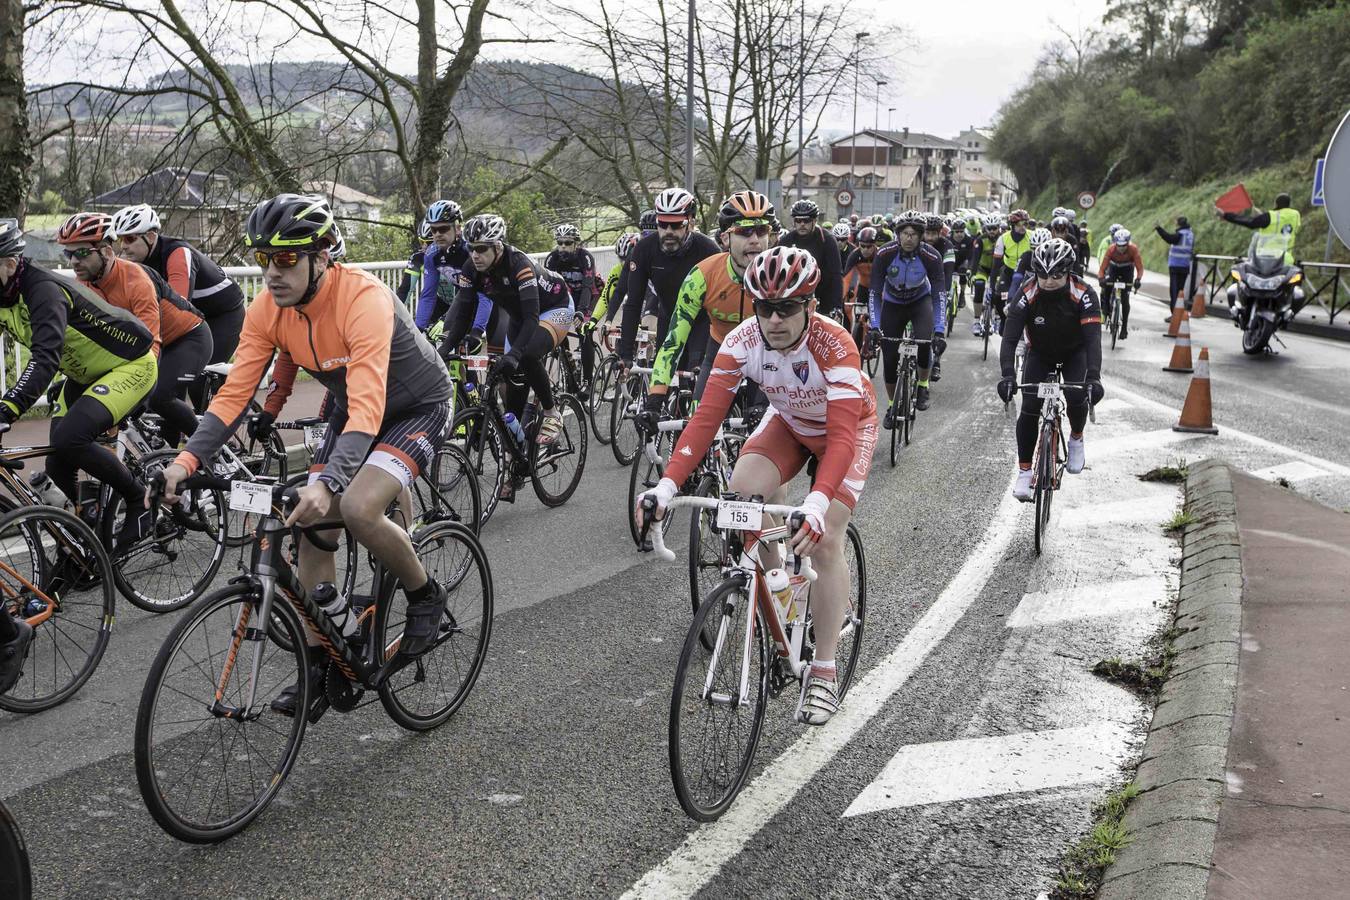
column 342, row 694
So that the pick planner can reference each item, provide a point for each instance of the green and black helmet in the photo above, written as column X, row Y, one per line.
column 291, row 222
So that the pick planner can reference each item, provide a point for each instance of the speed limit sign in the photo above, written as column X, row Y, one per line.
column 1087, row 200
column 844, row 197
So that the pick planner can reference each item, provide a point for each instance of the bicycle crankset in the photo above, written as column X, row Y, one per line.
column 343, row 695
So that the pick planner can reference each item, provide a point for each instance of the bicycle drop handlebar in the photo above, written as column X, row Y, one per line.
column 793, row 514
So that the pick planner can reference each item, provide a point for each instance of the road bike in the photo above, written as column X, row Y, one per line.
column 758, row 649
column 1051, row 453
column 904, row 410
column 1120, row 292
column 211, row 751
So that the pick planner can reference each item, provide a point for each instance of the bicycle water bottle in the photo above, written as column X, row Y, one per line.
column 778, row 583
column 334, row 605
column 44, row 487
column 514, row 427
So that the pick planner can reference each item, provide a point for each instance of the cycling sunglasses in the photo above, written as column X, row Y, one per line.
column 751, row 230
column 480, row 249
column 82, row 253
column 671, row 226
column 802, row 220
column 786, row 309
column 567, row 243
column 282, row 259
column 442, row 229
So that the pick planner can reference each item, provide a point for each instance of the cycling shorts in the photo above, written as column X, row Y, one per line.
column 119, row 390
column 775, row 440
column 404, row 447
column 558, row 321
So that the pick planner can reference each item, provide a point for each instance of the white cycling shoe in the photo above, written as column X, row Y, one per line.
column 976, row 329
column 1075, row 461
column 1022, row 490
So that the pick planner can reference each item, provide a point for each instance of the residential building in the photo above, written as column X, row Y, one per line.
column 986, row 183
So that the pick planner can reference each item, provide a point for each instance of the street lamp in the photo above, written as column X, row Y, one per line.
column 689, row 103
column 853, row 150
column 876, row 126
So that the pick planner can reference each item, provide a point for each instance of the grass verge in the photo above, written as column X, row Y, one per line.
column 1179, row 520
column 1167, row 474
column 1080, row 871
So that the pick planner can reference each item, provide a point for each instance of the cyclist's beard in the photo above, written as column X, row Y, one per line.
column 671, row 244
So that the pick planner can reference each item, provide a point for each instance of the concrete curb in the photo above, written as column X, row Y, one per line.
column 1175, row 818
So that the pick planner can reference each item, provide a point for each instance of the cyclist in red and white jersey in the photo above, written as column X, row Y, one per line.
column 821, row 405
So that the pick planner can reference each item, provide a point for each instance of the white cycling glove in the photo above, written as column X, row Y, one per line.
column 814, row 509
column 664, row 492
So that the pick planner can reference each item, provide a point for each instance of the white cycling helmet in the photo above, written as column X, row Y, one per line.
column 1053, row 258
column 991, row 222
column 625, row 244
column 1071, row 215
column 1039, row 236
column 842, row 231
column 1115, row 226
column 485, row 228
column 674, row 202
column 567, row 232
column 1059, row 211
column 136, row 219
column 1121, row 236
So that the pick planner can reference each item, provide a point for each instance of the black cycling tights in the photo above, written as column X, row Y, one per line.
column 532, row 373
column 185, row 356
column 73, row 437
column 1034, row 370
column 894, row 317
column 225, row 330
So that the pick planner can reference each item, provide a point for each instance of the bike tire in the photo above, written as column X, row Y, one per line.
column 445, row 674
column 708, row 556
column 624, row 440
column 906, row 416
column 896, row 427
column 727, row 604
column 152, row 755
column 448, row 491
column 985, row 330
column 78, row 581
column 1044, row 485
column 643, row 475
column 482, row 442
column 851, row 634
column 602, row 397
column 547, row 462
column 16, row 873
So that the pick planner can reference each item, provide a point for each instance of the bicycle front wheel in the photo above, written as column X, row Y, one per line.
column 855, row 614
column 211, row 753
column 643, row 475
column 1045, row 475
column 714, row 732
column 474, row 432
column 602, row 397
column 55, row 574
column 16, row 877
column 556, row 469
column 897, row 408
column 624, row 440
column 449, row 490
column 428, row 691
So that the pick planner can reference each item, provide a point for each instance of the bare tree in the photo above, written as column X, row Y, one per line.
column 15, row 154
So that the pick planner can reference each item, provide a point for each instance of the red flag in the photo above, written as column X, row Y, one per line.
column 1236, row 200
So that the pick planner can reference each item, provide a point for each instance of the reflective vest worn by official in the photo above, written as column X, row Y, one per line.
column 1179, row 254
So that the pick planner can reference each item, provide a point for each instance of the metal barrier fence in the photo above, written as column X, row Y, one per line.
column 249, row 279
column 1332, row 295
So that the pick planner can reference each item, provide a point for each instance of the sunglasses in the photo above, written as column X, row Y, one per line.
column 751, row 230
column 82, row 253
column 480, row 249
column 442, row 229
column 671, row 226
column 127, row 240
column 282, row 259
column 567, row 243
column 785, row 309
column 803, row 221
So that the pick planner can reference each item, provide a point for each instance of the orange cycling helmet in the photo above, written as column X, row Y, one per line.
column 85, row 228
column 782, row 272
column 744, row 205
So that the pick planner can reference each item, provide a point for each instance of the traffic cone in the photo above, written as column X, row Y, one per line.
column 1181, row 351
column 1179, row 314
column 1197, row 413
column 1198, row 301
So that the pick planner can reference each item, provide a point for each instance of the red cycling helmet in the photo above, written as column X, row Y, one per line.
column 782, row 272
column 1018, row 215
column 85, row 228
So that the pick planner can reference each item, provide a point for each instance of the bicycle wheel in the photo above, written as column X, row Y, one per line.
column 912, row 390
column 643, row 475
column 624, row 440
column 1115, row 321
column 211, row 753
column 54, row 573
column 556, row 469
column 474, row 432
column 873, row 361
column 707, row 548
column 449, row 490
column 712, row 738
column 988, row 321
column 850, row 634
column 424, row 694
column 170, row 568
column 16, row 877
column 264, row 460
column 1045, row 487
column 906, row 409
column 602, row 397
column 896, row 427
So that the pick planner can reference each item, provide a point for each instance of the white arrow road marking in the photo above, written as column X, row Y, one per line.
column 695, row 862
column 1108, row 598
column 944, row 771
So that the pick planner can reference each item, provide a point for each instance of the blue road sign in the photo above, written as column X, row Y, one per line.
column 1318, row 199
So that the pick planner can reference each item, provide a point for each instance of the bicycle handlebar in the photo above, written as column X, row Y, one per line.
column 795, row 519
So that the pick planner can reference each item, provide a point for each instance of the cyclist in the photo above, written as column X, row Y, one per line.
column 180, row 341
column 611, row 299
column 1105, row 242
column 410, row 285
column 576, row 265
column 441, row 264
column 822, row 406
column 815, row 240
column 345, row 328
column 961, row 246
column 661, row 261
column 1007, row 250
column 191, row 274
column 1062, row 228
column 982, row 267
column 843, row 236
column 1065, row 329
column 909, row 273
column 934, row 235
column 1121, row 262
column 858, row 278
column 714, row 287
column 1038, row 236
column 105, row 355
column 1084, row 241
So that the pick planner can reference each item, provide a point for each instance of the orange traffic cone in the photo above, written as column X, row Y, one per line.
column 1181, row 351
column 1197, row 413
column 1179, row 315
column 1198, row 301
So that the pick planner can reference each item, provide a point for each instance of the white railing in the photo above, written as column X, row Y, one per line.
column 249, row 279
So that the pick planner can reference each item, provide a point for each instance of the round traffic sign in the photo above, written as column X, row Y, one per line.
column 1087, row 200
column 1336, row 181
column 844, row 197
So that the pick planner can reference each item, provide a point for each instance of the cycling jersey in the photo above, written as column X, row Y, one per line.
column 578, row 270
column 1117, row 258
column 650, row 265
column 67, row 328
column 176, row 316
column 904, row 278
column 195, row 276
column 129, row 286
column 1008, row 249
column 521, row 289
column 961, row 250
column 821, row 245
column 357, row 340
column 982, row 254
column 410, row 285
column 712, row 286
column 862, row 266
column 1057, row 323
column 816, row 388
column 440, row 270
column 611, row 296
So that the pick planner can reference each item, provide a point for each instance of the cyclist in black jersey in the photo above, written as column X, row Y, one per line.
column 576, row 266
column 962, row 244
column 409, row 286
column 809, row 236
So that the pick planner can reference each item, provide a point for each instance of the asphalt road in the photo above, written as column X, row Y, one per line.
column 966, row 760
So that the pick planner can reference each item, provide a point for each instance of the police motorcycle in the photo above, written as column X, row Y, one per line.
column 1265, row 292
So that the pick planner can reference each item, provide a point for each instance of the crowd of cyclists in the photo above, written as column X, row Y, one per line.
column 773, row 321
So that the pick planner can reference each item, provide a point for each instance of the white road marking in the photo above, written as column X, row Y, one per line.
column 1298, row 539
column 696, row 861
column 1136, row 441
column 1109, row 598
column 945, row 771
column 1291, row 471
column 1113, row 405
column 1147, row 510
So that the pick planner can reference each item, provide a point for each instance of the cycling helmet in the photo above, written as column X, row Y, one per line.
column 782, row 272
column 291, row 222
column 623, row 247
column 867, row 236
column 910, row 218
column 11, row 238
column 1059, row 222
column 842, row 232
column 339, row 248
column 444, row 211
column 1016, row 216
column 81, row 228
column 1059, row 211
column 485, row 228
column 991, row 222
column 675, row 203
column 1115, row 226
column 647, row 221
column 744, row 205
column 1071, row 215
column 933, row 223
column 424, row 232
column 1122, row 236
column 135, row 220
column 1052, row 258
column 805, row 209
column 567, row 232
column 958, row 224
column 888, row 219
column 1040, row 236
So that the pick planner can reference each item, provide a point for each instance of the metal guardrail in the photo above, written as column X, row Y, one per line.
column 1332, row 295
column 249, row 278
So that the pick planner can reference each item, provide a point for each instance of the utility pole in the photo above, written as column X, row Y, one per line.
column 689, row 103
column 853, row 149
column 801, row 102
column 876, row 126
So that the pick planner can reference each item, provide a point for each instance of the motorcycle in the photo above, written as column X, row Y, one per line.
column 1265, row 292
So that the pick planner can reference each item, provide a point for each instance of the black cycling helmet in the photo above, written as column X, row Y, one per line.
column 805, row 209
column 1053, row 258
column 958, row 224
column 443, row 211
column 11, row 238
column 647, row 221
column 933, row 223
column 910, row 218
column 291, row 222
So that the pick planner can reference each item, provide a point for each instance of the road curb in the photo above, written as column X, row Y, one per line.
column 1175, row 818
column 1332, row 332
